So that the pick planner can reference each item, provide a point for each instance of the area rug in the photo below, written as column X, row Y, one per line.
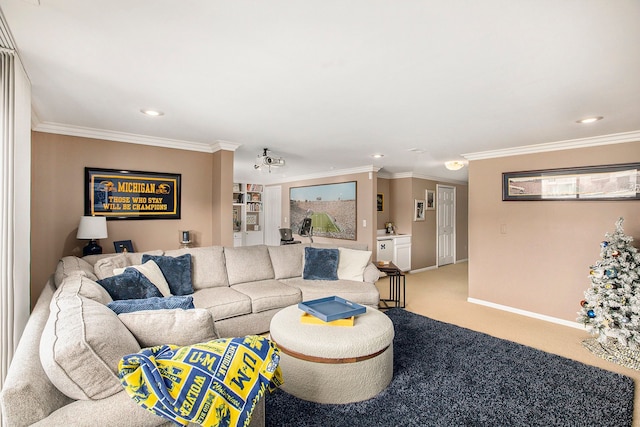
column 445, row 375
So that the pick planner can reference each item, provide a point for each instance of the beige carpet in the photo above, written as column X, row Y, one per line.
column 441, row 294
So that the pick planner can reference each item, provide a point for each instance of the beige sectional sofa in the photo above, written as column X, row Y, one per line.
column 64, row 369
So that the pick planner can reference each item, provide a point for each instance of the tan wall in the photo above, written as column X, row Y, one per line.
column 57, row 204
column 366, row 187
column 541, row 264
column 385, row 215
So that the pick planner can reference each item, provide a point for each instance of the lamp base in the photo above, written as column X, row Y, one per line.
column 92, row 248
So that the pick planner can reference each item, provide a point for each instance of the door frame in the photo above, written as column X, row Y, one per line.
column 438, row 219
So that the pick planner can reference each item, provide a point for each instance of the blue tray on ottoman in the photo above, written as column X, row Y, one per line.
column 331, row 308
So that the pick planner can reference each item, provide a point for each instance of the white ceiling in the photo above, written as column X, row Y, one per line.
column 326, row 84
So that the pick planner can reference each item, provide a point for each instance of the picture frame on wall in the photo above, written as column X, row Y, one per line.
column 419, row 214
column 431, row 200
column 380, row 202
column 126, row 195
column 588, row 183
column 330, row 208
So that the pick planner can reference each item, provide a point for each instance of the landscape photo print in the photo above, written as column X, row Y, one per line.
column 331, row 207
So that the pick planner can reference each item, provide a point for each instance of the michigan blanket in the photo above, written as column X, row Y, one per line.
column 216, row 383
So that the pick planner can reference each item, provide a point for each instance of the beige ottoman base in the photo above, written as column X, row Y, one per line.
column 334, row 364
column 337, row 382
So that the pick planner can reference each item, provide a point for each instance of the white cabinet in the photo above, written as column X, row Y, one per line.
column 395, row 248
column 402, row 253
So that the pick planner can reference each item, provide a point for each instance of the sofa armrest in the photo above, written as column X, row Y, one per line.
column 371, row 273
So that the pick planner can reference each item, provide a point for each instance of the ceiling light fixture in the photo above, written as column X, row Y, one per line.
column 377, row 156
column 589, row 119
column 151, row 113
column 266, row 161
column 454, row 165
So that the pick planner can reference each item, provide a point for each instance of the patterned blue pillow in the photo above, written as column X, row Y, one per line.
column 155, row 303
column 131, row 284
column 320, row 264
column 177, row 271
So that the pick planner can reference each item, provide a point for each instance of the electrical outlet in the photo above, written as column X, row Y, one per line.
column 364, row 222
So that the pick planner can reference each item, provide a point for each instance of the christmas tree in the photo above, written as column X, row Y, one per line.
column 611, row 308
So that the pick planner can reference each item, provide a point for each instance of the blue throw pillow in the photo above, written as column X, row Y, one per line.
column 177, row 271
column 131, row 305
column 131, row 284
column 320, row 264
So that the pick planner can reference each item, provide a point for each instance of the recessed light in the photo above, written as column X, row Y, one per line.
column 589, row 119
column 377, row 156
column 152, row 113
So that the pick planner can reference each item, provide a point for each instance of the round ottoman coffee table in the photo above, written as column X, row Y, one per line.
column 334, row 364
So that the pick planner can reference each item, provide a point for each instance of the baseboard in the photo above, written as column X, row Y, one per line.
column 562, row 322
column 420, row 270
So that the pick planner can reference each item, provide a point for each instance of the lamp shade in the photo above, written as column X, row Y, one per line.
column 92, row 227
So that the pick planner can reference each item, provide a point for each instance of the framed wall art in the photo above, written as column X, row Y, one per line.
column 418, row 214
column 120, row 194
column 431, row 200
column 331, row 207
column 380, row 202
column 590, row 183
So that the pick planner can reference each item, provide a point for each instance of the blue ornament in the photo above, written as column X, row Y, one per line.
column 610, row 273
column 591, row 314
column 604, row 244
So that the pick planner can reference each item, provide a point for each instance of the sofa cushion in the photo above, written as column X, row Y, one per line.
column 104, row 264
column 151, row 271
column 87, row 288
column 81, row 345
column 287, row 260
column 73, row 266
column 269, row 294
column 207, row 266
column 178, row 327
column 130, row 305
column 131, row 284
column 177, row 271
column 104, row 267
column 320, row 264
column 222, row 303
column 358, row 292
column 248, row 264
column 351, row 264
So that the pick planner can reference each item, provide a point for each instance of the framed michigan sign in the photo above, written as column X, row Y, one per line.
column 119, row 194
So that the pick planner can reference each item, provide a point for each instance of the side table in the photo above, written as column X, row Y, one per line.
column 397, row 286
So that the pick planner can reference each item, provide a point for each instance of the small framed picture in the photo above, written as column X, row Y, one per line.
column 380, row 202
column 123, row 246
column 431, row 200
column 419, row 210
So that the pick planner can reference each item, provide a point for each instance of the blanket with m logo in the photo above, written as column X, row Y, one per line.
column 215, row 383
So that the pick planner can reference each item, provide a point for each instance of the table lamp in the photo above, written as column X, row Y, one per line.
column 92, row 228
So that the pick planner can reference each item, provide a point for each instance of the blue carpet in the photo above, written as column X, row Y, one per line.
column 445, row 375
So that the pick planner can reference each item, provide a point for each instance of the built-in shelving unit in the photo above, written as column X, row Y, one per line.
column 247, row 214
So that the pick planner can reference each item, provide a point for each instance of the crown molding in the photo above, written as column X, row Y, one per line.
column 361, row 169
column 109, row 135
column 616, row 138
column 387, row 175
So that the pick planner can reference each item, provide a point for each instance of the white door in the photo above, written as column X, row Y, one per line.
column 446, row 210
column 272, row 206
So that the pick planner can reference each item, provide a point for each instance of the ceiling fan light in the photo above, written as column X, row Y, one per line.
column 454, row 165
